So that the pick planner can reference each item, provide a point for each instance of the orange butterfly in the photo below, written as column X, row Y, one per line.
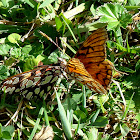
column 90, row 66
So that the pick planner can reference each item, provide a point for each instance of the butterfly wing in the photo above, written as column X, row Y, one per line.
column 37, row 82
column 101, row 72
column 93, row 49
column 77, row 71
column 92, row 54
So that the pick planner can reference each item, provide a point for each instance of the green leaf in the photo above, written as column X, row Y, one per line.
column 7, row 3
column 30, row 63
column 72, row 103
column 94, row 116
column 16, row 52
column 6, row 135
column 115, row 15
column 124, row 129
column 10, row 61
column 14, row 37
column 120, row 47
column 129, row 85
column 4, row 73
column 46, row 3
column 7, row 132
column 4, row 49
column 0, row 132
column 26, row 49
column 31, row 3
column 2, row 40
column 3, row 69
column 127, row 107
column 138, row 118
column 10, row 129
column 37, row 48
column 40, row 58
column 137, row 67
column 53, row 57
column 126, row 69
column 92, row 134
column 68, row 23
column 102, row 136
column 80, row 114
column 101, row 122
column 133, row 3
column 58, row 23
column 92, row 9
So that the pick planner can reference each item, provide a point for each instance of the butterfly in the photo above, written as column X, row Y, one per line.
column 90, row 66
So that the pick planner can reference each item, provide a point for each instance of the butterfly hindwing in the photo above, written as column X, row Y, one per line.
column 102, row 72
column 77, row 71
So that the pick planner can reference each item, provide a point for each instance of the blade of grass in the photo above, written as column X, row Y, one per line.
column 101, row 104
column 18, row 131
column 78, row 9
column 45, row 114
column 84, row 97
column 65, row 123
column 127, row 108
column 94, row 117
column 76, row 131
column 70, row 30
column 3, row 100
column 69, row 111
column 37, row 123
column 124, row 102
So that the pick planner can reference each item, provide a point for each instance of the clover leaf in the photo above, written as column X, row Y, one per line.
column 115, row 15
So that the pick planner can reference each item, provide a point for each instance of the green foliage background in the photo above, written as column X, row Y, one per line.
column 68, row 23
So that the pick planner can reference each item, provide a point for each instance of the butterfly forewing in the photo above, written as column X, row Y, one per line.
column 93, row 49
column 37, row 82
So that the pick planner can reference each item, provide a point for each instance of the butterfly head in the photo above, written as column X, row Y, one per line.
column 63, row 64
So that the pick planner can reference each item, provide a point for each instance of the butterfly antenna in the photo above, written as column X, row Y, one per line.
column 43, row 34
